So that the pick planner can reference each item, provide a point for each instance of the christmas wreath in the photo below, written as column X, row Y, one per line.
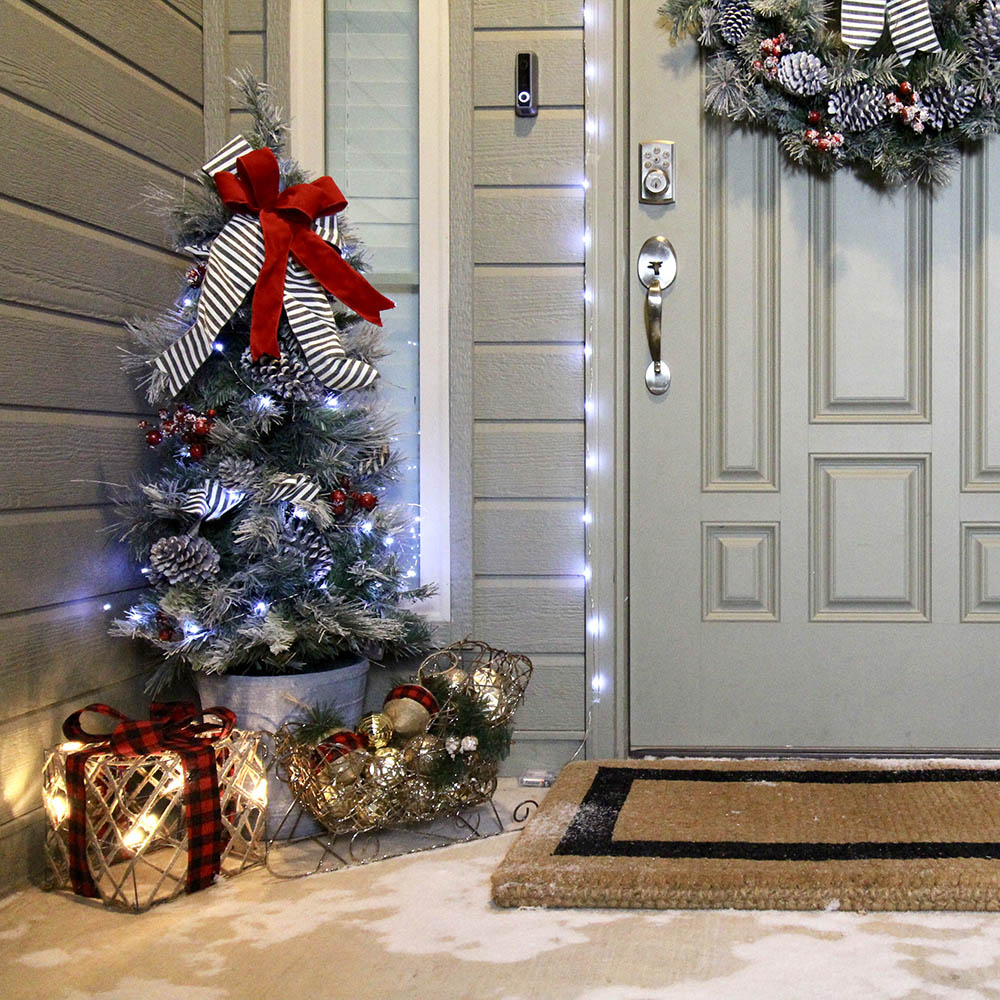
column 897, row 104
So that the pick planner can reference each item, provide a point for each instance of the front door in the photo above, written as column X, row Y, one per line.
column 814, row 555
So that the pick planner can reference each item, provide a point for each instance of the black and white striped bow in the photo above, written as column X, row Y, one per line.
column 234, row 262
column 910, row 27
column 211, row 500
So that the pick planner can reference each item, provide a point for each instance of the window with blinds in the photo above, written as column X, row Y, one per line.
column 372, row 150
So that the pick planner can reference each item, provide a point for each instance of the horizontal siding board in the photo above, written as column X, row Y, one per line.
column 190, row 8
column 555, row 695
column 528, row 303
column 536, row 460
column 527, row 537
column 560, row 66
column 50, row 557
column 247, row 52
column 24, row 740
column 540, row 381
column 518, row 14
column 62, row 459
column 528, row 226
column 45, row 654
column 58, row 264
column 543, row 150
column 87, row 86
column 56, row 166
column 40, row 364
column 22, row 841
column 246, row 15
column 518, row 613
column 547, row 754
column 163, row 28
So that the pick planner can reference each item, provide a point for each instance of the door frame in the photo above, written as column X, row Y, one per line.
column 606, row 350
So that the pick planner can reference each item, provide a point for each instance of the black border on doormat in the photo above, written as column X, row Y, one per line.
column 590, row 833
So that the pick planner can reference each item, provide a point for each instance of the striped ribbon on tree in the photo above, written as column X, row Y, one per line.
column 910, row 26
column 244, row 255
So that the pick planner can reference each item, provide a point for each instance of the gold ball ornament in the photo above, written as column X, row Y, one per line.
column 386, row 769
column 347, row 769
column 487, row 686
column 378, row 808
column 410, row 708
column 455, row 678
column 419, row 798
column 424, row 753
column 376, row 728
column 337, row 801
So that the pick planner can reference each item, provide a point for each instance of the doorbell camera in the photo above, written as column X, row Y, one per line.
column 526, row 85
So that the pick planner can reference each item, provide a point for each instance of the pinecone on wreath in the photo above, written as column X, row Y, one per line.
column 302, row 541
column 945, row 107
column 735, row 20
column 288, row 376
column 802, row 73
column 184, row 559
column 857, row 108
column 984, row 44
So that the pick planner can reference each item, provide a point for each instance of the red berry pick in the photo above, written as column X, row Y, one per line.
column 368, row 501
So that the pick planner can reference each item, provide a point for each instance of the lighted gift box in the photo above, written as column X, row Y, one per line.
column 155, row 808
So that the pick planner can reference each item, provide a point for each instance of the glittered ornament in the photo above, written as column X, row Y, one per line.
column 487, row 686
column 337, row 800
column 410, row 708
column 423, row 754
column 347, row 768
column 386, row 768
column 376, row 729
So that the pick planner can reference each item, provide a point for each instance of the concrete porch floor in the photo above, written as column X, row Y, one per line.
column 423, row 926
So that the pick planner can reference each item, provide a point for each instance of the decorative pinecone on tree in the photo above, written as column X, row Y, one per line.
column 857, row 108
column 802, row 73
column 735, row 20
column 984, row 43
column 235, row 473
column 184, row 559
column 946, row 107
column 288, row 376
column 302, row 541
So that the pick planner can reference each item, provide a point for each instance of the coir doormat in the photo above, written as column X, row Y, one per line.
column 763, row 834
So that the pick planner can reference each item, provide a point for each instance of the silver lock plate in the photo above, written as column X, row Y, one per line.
column 658, row 251
column 656, row 172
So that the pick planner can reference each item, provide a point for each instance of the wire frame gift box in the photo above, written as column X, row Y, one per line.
column 135, row 846
column 373, row 785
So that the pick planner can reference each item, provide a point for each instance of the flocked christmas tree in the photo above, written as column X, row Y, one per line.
column 263, row 532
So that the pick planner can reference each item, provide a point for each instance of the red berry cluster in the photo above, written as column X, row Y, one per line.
column 195, row 275
column 167, row 627
column 340, row 497
column 823, row 141
column 191, row 427
column 772, row 49
column 906, row 105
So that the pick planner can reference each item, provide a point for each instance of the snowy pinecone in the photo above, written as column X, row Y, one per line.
column 184, row 559
column 735, row 19
column 236, row 473
column 288, row 376
column 302, row 541
column 984, row 42
column 945, row 107
column 802, row 73
column 857, row 108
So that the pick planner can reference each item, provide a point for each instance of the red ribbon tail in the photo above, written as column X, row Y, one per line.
column 269, row 295
column 338, row 277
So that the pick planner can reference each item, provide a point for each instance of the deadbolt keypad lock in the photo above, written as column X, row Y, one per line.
column 656, row 172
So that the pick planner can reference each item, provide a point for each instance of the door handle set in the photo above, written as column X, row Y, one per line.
column 657, row 267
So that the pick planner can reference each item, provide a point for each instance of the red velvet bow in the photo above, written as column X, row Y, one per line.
column 286, row 219
column 172, row 726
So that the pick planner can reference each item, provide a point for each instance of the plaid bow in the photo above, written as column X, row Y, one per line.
column 172, row 727
column 417, row 693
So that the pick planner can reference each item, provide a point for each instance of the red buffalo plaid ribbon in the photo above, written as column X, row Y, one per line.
column 286, row 219
column 417, row 693
column 176, row 727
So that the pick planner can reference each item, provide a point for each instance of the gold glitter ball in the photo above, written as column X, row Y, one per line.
column 487, row 685
column 337, row 801
column 455, row 677
column 376, row 727
column 347, row 769
column 424, row 753
column 387, row 769
column 408, row 717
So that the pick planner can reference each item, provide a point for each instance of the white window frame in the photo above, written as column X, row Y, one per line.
column 307, row 111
